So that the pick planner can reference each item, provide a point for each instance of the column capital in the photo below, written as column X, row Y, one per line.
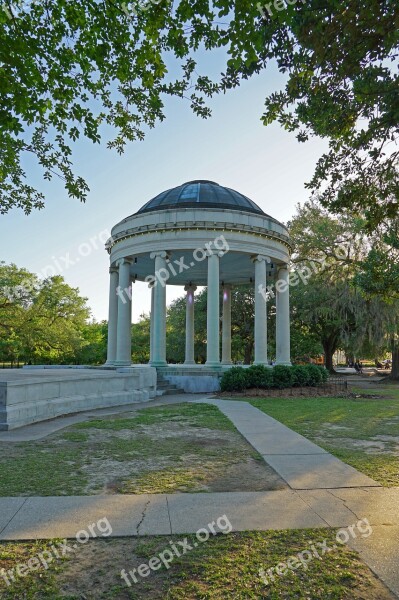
column 113, row 270
column 124, row 261
column 283, row 267
column 260, row 258
column 160, row 253
column 218, row 254
column 226, row 286
column 211, row 254
column 190, row 287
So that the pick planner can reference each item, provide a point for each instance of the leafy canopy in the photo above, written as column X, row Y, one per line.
column 68, row 69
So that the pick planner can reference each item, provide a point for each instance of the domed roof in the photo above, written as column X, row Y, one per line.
column 201, row 194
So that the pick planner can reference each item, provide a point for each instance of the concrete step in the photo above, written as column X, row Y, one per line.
column 164, row 388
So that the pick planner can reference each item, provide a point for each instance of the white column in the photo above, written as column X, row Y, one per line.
column 124, row 328
column 112, row 315
column 260, row 310
column 159, row 321
column 189, row 359
column 283, row 353
column 226, row 325
column 212, row 354
column 152, row 321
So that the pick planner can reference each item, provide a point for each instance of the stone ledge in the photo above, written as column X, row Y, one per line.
column 28, row 397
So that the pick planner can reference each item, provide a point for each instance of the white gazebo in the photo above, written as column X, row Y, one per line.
column 198, row 234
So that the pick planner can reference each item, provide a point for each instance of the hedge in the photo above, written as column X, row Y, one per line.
column 237, row 379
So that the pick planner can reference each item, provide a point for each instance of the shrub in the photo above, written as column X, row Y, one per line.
column 234, row 380
column 282, row 376
column 300, row 376
column 260, row 376
column 315, row 376
column 237, row 379
column 324, row 373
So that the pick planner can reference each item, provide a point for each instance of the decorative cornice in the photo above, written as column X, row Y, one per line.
column 229, row 228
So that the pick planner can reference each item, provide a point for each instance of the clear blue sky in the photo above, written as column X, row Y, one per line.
column 232, row 148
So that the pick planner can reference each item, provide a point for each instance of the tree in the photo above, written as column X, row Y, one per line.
column 93, row 350
column 326, row 310
column 40, row 320
column 329, row 254
column 378, row 276
column 17, row 289
column 336, row 244
column 141, row 340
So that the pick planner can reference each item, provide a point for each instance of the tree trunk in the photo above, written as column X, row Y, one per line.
column 329, row 346
column 395, row 361
column 350, row 358
column 248, row 353
column 328, row 359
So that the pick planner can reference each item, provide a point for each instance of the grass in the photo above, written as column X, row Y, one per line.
column 36, row 584
column 226, row 566
column 348, row 427
column 159, row 449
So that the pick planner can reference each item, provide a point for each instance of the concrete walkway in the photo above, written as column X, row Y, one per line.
column 325, row 492
column 166, row 514
column 301, row 463
column 161, row 514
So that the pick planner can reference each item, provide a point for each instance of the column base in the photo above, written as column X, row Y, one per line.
column 158, row 363
column 265, row 363
column 189, row 362
column 212, row 364
column 227, row 362
column 284, row 363
column 122, row 363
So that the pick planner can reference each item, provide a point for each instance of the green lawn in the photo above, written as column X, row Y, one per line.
column 363, row 432
column 226, row 566
column 185, row 447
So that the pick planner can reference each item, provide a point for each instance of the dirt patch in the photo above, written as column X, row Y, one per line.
column 332, row 427
column 377, row 445
column 247, row 476
column 95, row 572
column 183, row 459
